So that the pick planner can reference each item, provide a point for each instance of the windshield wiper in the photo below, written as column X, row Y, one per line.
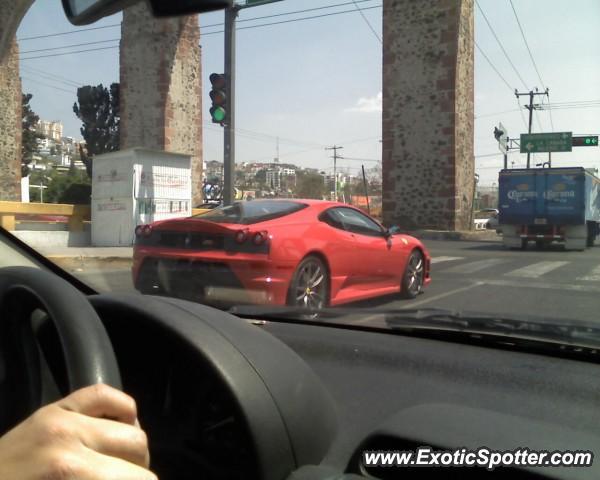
column 515, row 328
column 562, row 332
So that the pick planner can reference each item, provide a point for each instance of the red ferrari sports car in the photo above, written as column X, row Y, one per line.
column 306, row 253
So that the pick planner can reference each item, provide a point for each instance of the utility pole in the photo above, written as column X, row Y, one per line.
column 366, row 189
column 335, row 157
column 531, row 107
column 229, row 133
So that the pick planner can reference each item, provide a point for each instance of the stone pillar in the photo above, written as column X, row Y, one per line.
column 161, row 86
column 10, row 124
column 428, row 83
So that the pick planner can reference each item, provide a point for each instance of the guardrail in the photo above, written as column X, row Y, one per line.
column 76, row 214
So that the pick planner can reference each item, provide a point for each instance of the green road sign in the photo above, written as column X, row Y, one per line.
column 546, row 142
column 586, row 141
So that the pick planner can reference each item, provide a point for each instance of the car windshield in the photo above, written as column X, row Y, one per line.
column 356, row 158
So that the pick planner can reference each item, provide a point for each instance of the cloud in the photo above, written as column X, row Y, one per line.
column 367, row 104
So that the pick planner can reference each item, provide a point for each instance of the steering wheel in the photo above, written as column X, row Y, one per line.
column 76, row 351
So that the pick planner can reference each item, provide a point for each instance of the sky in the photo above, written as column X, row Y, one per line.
column 317, row 82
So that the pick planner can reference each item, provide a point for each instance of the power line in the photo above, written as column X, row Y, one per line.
column 550, row 111
column 362, row 159
column 70, row 32
column 367, row 21
column 70, row 53
column 537, row 71
column 50, row 76
column 114, row 25
column 72, row 92
column 477, row 117
column 522, row 114
column 70, row 46
column 210, row 33
column 574, row 102
column 596, row 105
column 306, row 18
column 494, row 67
column 500, row 44
column 527, row 45
column 265, row 137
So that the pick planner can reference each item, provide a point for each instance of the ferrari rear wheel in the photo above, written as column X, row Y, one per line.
column 310, row 285
column 414, row 275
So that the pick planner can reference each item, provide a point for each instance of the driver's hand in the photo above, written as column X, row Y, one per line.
column 93, row 434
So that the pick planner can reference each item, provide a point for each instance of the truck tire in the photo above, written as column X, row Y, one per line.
column 591, row 234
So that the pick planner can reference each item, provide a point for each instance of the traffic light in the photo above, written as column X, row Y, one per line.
column 498, row 133
column 589, row 141
column 218, row 110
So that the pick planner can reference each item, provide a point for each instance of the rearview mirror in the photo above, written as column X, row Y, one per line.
column 393, row 230
column 84, row 12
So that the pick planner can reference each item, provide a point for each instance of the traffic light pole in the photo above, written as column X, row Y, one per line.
column 229, row 134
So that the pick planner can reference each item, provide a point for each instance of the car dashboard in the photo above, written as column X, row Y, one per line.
column 225, row 398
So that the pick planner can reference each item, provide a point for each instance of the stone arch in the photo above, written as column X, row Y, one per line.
column 160, row 75
column 428, row 110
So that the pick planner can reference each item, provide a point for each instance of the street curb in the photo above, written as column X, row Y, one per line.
column 78, row 261
column 465, row 236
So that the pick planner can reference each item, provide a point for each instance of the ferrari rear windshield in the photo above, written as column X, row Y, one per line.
column 256, row 211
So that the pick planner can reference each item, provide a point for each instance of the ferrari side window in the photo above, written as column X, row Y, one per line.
column 332, row 218
column 357, row 222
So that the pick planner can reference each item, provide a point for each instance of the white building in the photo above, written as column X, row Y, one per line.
column 50, row 129
column 274, row 179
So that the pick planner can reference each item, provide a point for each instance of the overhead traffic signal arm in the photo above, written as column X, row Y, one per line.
column 218, row 97
column 585, row 141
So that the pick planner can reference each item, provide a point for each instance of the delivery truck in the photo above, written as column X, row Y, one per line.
column 546, row 205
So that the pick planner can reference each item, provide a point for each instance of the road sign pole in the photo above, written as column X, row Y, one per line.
column 229, row 134
column 505, row 161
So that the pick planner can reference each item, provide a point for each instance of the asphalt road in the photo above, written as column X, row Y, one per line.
column 476, row 276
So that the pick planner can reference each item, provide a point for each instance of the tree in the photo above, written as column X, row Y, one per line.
column 310, row 185
column 29, row 145
column 98, row 109
column 261, row 177
column 62, row 187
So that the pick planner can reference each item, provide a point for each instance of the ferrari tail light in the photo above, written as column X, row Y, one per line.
column 241, row 236
column 138, row 230
column 147, row 230
column 260, row 238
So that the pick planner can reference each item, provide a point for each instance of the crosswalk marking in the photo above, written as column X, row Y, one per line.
column 535, row 270
column 473, row 267
column 593, row 276
column 445, row 259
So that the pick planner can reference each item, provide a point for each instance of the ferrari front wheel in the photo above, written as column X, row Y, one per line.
column 414, row 275
column 310, row 285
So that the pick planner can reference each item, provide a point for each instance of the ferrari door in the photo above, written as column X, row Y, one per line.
column 374, row 261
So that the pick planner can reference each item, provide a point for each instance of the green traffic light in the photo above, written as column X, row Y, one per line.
column 588, row 141
column 218, row 114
